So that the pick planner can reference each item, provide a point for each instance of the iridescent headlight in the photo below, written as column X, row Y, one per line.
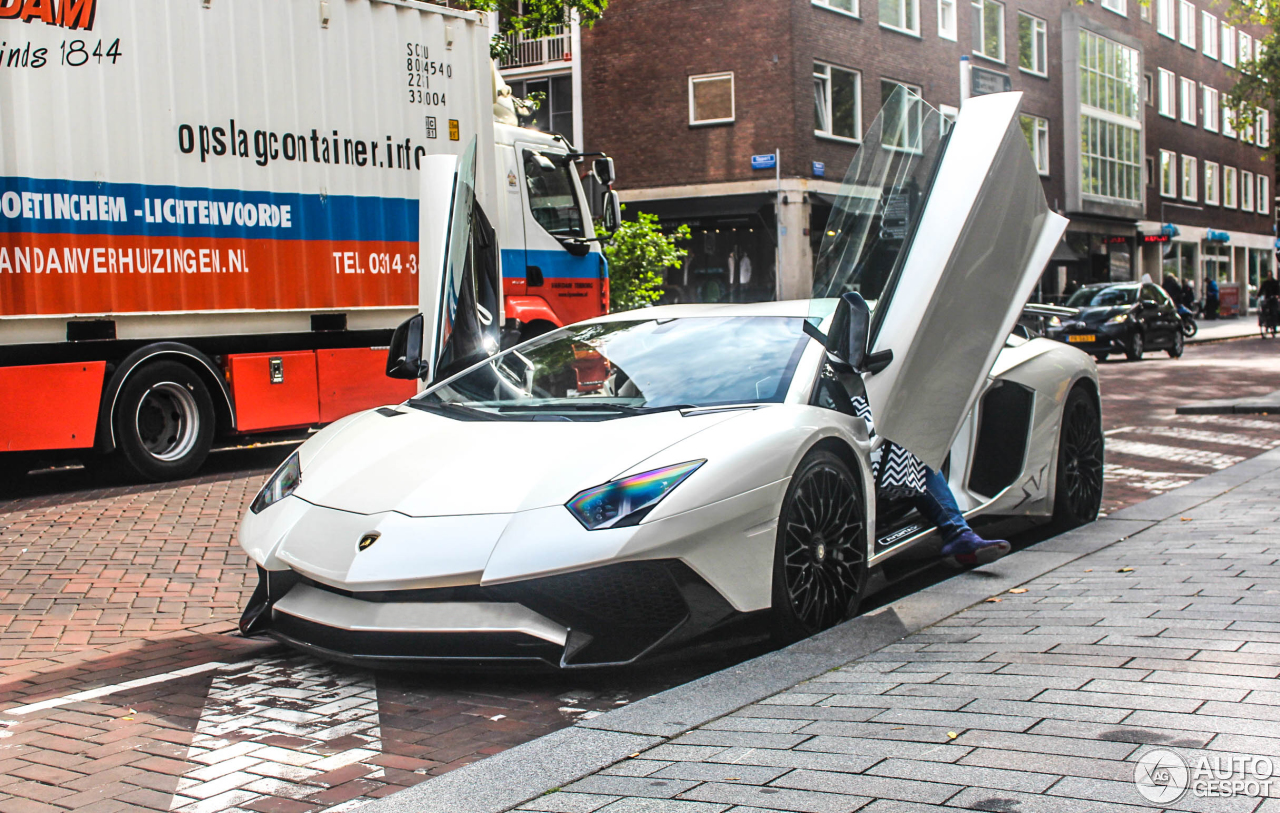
column 627, row 501
column 283, row 483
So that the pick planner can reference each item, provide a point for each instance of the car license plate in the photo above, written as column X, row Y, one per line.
column 1080, row 338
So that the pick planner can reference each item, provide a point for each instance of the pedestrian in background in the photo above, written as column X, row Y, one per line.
column 1211, row 298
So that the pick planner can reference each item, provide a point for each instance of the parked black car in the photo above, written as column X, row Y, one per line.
column 1120, row 317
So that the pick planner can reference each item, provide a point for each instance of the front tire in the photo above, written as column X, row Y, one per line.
column 164, row 421
column 820, row 558
column 1136, row 347
column 1189, row 328
column 1179, row 344
column 1078, row 485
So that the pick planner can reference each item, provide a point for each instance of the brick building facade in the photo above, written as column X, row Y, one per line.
column 684, row 92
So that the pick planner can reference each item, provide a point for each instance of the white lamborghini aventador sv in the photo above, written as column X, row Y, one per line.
column 637, row 481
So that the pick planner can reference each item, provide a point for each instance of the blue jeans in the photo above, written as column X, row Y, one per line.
column 938, row 505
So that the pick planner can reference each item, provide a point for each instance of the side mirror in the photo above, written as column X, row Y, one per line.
column 612, row 211
column 602, row 168
column 850, row 333
column 1149, row 304
column 404, row 357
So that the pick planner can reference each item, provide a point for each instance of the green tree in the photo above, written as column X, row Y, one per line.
column 1258, row 83
column 638, row 253
column 535, row 18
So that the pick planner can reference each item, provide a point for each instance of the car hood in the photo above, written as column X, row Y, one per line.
column 425, row 465
column 1096, row 316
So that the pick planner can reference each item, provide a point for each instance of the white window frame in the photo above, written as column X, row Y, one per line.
column 733, row 98
column 1211, row 108
column 1246, row 190
column 1263, row 128
column 1209, row 34
column 856, row 13
column 1229, row 186
column 1187, row 23
column 1167, row 18
column 916, row 109
column 1245, row 43
column 1120, row 7
column 903, row 7
column 1187, row 100
column 1264, row 194
column 1039, row 37
column 1167, row 90
column 979, row 7
column 1040, row 144
column 1228, row 120
column 1212, row 182
column 947, row 118
column 857, row 105
column 1189, row 179
column 1228, row 53
column 948, row 8
column 1169, row 161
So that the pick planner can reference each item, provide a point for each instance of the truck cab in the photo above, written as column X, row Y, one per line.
column 553, row 270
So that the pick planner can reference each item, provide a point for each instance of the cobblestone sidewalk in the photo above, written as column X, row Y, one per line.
column 1040, row 699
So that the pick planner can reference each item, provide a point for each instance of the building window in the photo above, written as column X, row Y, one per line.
column 1264, row 194
column 843, row 6
column 1229, row 187
column 1228, row 120
column 988, row 29
column 1148, row 95
column 1151, row 171
column 1033, row 45
column 1165, row 20
column 1211, row 177
column 1263, row 127
column 711, row 99
column 555, row 114
column 902, row 116
column 947, row 19
column 1036, row 130
column 1228, row 45
column 1210, row 106
column 1209, row 34
column 1187, row 100
column 1246, row 191
column 1168, row 94
column 901, row 15
column 1187, row 23
column 1188, row 178
column 837, row 102
column 1246, row 49
column 1118, row 6
column 1110, row 120
column 1168, row 174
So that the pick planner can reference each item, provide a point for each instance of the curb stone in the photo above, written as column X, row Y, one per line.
column 513, row 777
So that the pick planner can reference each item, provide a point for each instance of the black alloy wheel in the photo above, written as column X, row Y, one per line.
column 820, row 559
column 1078, row 487
column 1134, row 350
column 1179, row 344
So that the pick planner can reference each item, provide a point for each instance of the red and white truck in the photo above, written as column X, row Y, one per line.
column 209, row 216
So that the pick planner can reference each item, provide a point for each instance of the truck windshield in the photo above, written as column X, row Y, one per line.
column 553, row 195
column 613, row 369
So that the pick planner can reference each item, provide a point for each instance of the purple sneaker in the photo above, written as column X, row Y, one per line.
column 970, row 550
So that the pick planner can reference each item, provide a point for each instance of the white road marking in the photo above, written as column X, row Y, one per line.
column 1227, row 420
column 1173, row 454
column 90, row 694
column 1154, row 481
column 1201, row 436
column 301, row 707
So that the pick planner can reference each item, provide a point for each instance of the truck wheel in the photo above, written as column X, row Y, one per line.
column 164, row 421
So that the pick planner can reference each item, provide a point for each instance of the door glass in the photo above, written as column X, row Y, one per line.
column 552, row 197
column 880, row 202
column 458, row 259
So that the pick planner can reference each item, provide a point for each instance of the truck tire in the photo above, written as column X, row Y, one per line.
column 164, row 421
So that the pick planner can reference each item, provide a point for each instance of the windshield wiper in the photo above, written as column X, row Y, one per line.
column 453, row 410
column 596, row 407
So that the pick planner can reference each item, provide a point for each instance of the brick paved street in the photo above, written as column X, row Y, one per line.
column 103, row 584
column 1043, row 698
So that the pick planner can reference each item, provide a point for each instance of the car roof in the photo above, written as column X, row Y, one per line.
column 797, row 308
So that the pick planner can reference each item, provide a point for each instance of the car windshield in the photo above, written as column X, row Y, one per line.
column 1104, row 297
column 612, row 369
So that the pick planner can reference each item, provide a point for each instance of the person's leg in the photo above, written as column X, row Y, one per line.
column 960, row 545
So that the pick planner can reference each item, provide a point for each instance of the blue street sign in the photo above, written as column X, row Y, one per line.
column 819, row 169
column 764, row 161
column 1217, row 236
